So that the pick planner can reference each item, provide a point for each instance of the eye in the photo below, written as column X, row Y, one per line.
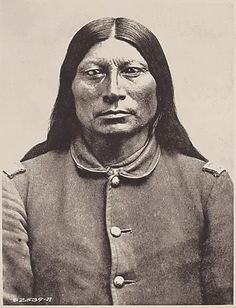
column 132, row 71
column 95, row 72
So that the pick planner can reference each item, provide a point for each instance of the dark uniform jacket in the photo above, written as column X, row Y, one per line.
column 155, row 229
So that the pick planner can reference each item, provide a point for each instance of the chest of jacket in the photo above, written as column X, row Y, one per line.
column 85, row 231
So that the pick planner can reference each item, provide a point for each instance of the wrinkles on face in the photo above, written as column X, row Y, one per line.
column 114, row 70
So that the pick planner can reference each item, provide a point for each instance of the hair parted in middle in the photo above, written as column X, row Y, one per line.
column 64, row 123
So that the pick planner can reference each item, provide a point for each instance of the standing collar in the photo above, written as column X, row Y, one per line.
column 138, row 165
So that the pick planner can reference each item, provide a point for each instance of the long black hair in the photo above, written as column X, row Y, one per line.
column 64, row 124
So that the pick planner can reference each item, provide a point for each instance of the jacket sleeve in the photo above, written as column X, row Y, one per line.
column 17, row 273
column 217, row 257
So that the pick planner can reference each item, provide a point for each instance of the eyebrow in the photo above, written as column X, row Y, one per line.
column 105, row 62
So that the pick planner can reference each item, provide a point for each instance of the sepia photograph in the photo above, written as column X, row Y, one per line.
column 117, row 129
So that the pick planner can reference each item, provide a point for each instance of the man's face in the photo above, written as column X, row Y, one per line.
column 113, row 89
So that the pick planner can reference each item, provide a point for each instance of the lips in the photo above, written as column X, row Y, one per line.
column 113, row 113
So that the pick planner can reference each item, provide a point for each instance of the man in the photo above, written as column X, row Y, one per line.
column 117, row 206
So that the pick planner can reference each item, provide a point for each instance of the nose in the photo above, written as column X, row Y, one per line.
column 114, row 91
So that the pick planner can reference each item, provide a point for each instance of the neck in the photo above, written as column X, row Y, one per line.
column 110, row 149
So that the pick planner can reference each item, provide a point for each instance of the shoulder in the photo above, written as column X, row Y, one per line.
column 44, row 161
column 212, row 176
column 183, row 165
column 36, row 172
column 13, row 169
column 197, row 174
column 18, row 175
column 193, row 166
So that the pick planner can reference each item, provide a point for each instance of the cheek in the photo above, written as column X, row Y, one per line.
column 84, row 92
column 82, row 96
column 145, row 97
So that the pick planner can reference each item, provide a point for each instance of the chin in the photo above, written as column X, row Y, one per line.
column 118, row 131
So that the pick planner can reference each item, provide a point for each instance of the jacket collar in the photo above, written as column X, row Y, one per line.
column 138, row 165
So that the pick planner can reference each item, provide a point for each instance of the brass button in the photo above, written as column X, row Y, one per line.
column 115, row 181
column 115, row 231
column 119, row 282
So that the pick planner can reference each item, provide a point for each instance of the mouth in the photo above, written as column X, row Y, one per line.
column 111, row 114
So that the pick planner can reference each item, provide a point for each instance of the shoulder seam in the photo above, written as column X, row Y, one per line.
column 214, row 169
column 14, row 169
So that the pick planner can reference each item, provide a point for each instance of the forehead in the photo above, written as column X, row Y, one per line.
column 111, row 50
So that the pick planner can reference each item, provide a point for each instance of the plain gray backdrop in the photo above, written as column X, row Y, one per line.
column 197, row 38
